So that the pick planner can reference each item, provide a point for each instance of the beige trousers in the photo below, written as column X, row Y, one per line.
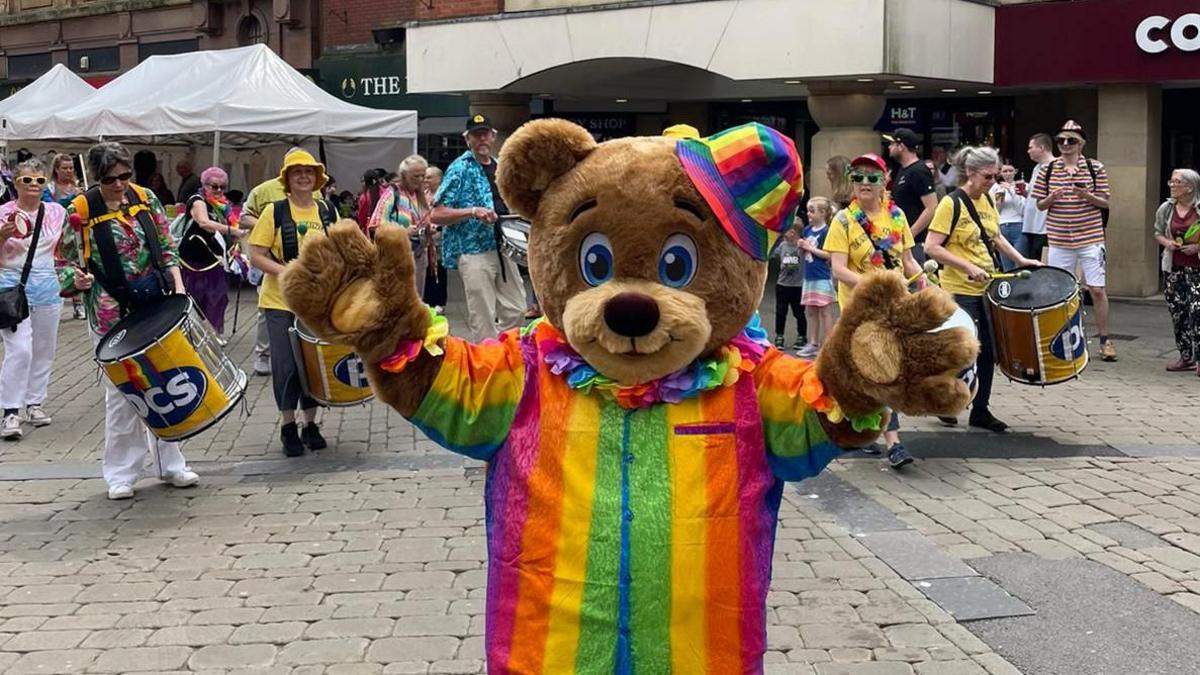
column 494, row 304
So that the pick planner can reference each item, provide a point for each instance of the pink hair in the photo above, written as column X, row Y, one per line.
column 214, row 172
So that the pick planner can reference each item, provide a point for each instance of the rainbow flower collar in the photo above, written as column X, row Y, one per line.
column 740, row 355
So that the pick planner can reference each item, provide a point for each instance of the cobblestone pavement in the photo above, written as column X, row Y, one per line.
column 369, row 558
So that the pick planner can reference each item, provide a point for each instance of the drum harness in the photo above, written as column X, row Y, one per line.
column 961, row 198
column 286, row 224
column 110, row 274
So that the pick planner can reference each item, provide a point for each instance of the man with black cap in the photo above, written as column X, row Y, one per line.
column 467, row 206
column 1074, row 191
column 912, row 187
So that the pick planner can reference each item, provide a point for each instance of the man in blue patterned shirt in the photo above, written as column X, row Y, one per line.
column 467, row 206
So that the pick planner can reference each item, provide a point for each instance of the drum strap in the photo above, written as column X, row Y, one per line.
column 962, row 198
column 111, row 274
column 289, row 237
column 198, row 248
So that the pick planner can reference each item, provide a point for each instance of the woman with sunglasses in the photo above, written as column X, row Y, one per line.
column 970, row 250
column 211, row 234
column 868, row 235
column 125, row 214
column 29, row 348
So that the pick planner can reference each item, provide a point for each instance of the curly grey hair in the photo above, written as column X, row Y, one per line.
column 1192, row 180
column 32, row 165
column 104, row 156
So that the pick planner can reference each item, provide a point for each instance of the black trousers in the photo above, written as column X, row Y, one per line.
column 285, row 372
column 985, row 365
column 788, row 298
column 435, row 289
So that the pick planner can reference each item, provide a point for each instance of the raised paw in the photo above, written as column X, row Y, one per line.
column 887, row 349
column 355, row 292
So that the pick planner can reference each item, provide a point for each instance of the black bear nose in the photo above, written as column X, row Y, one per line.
column 631, row 314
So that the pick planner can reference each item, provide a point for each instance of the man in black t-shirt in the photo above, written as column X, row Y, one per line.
column 912, row 186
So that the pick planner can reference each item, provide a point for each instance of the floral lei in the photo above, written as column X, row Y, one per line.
column 724, row 368
column 885, row 240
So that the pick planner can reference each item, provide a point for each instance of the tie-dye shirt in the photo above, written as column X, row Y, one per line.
column 624, row 539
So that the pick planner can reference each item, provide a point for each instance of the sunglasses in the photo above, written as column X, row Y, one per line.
column 871, row 178
column 1067, row 141
column 216, row 187
column 123, row 177
column 31, row 180
column 988, row 176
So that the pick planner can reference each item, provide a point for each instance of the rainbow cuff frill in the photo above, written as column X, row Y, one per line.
column 814, row 394
column 408, row 350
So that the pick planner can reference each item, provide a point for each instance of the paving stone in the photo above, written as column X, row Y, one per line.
column 45, row 640
column 1081, row 514
column 918, row 635
column 233, row 656
column 873, row 668
column 194, row 636
column 61, row 661
column 913, row 556
column 121, row 592
column 275, row 633
column 119, row 637
column 392, row 649
column 970, row 598
column 339, row 628
column 831, row 635
column 337, row 650
column 141, row 659
column 958, row 667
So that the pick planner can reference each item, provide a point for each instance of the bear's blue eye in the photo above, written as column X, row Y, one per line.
column 596, row 259
column 677, row 264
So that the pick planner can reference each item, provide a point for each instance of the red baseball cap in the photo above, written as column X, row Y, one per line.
column 871, row 161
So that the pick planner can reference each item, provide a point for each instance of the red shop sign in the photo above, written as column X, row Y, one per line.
column 1097, row 41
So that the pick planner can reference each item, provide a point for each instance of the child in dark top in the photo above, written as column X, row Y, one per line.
column 819, row 297
column 789, row 286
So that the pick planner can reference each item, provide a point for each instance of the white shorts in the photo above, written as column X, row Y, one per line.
column 1091, row 258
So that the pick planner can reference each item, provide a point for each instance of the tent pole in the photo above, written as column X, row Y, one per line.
column 216, row 148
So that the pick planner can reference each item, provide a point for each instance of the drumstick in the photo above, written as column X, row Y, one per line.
column 1019, row 274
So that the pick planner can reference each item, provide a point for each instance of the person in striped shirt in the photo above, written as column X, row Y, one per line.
column 1074, row 191
column 638, row 435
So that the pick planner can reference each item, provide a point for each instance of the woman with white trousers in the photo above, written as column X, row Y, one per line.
column 29, row 347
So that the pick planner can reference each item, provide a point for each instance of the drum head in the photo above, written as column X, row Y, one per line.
column 139, row 330
column 1045, row 287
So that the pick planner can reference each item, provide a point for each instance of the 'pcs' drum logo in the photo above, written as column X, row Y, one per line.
column 164, row 407
column 351, row 372
column 1070, row 342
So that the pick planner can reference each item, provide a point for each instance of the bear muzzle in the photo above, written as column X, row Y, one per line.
column 631, row 315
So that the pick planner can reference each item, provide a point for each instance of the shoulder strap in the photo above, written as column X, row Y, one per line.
column 1092, row 171
column 960, row 196
column 289, row 241
column 327, row 213
column 149, row 229
column 1047, row 173
column 110, row 274
column 37, row 231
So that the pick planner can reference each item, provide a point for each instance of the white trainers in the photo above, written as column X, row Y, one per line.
column 36, row 416
column 11, row 429
column 808, row 352
column 120, row 491
column 262, row 365
column 180, row 479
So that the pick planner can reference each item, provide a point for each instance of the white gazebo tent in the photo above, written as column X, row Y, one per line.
column 243, row 99
column 27, row 110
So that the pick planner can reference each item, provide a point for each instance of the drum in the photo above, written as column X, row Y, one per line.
column 960, row 319
column 330, row 374
column 1038, row 326
column 515, row 243
column 167, row 363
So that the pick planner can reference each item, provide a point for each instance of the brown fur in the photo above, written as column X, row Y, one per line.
column 634, row 191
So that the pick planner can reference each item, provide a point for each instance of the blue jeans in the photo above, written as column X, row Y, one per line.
column 1011, row 232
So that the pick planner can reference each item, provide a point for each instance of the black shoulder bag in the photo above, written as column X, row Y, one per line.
column 14, row 304
column 961, row 197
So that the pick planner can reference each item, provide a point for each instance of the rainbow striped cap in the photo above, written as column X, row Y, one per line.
column 751, row 177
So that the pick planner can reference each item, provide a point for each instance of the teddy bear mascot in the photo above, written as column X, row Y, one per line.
column 638, row 436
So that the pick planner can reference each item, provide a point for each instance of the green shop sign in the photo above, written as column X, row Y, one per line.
column 379, row 81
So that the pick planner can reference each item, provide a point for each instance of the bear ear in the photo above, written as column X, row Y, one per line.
column 534, row 156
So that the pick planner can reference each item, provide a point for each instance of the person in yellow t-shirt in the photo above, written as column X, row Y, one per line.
column 962, row 247
column 872, row 234
column 300, row 176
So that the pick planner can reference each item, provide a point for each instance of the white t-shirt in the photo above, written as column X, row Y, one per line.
column 1012, row 208
column 1034, row 221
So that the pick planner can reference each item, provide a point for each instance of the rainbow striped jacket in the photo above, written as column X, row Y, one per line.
column 624, row 539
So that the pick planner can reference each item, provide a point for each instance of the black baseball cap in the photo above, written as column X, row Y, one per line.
column 908, row 137
column 479, row 121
